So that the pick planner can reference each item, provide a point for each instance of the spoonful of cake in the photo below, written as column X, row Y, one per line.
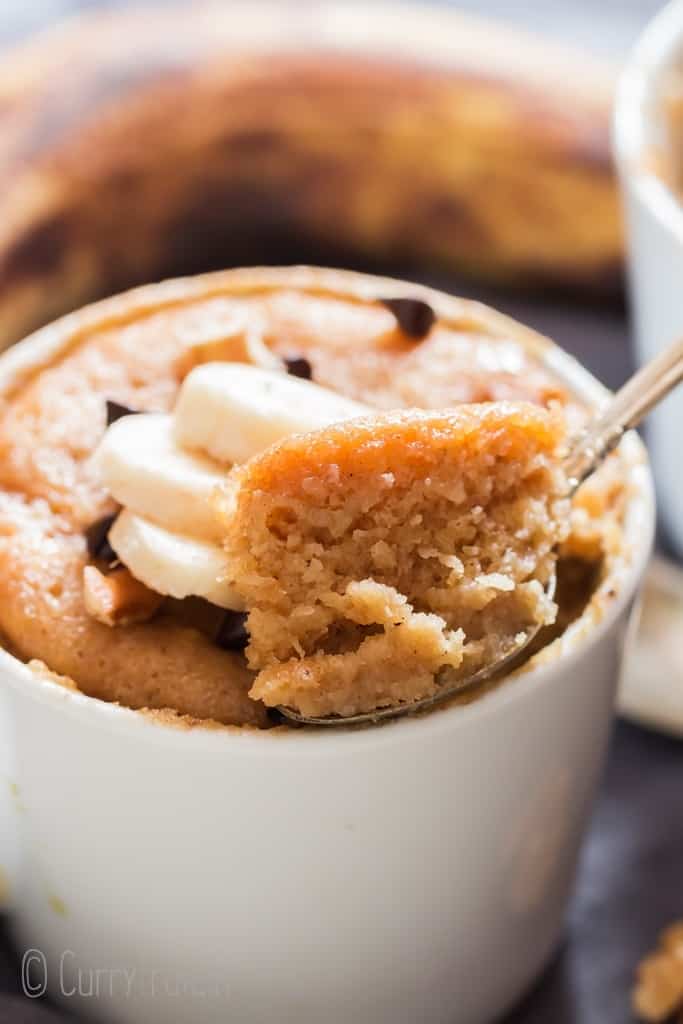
column 389, row 562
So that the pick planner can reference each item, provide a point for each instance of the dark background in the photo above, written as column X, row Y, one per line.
column 631, row 877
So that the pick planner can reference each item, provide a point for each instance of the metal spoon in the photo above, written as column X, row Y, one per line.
column 601, row 435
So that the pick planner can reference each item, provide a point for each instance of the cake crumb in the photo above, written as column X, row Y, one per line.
column 658, row 993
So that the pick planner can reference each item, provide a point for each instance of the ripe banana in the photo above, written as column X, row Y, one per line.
column 186, row 137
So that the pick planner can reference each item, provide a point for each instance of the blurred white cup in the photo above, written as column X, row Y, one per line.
column 654, row 217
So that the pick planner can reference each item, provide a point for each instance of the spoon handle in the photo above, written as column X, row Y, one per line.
column 626, row 410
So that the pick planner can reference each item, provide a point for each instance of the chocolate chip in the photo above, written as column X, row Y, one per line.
column 276, row 717
column 415, row 317
column 232, row 633
column 116, row 411
column 96, row 537
column 297, row 366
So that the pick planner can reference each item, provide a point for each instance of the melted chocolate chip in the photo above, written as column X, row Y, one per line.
column 297, row 366
column 232, row 634
column 276, row 717
column 96, row 537
column 415, row 317
column 116, row 411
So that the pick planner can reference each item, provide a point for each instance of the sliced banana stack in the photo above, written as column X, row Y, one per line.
column 165, row 469
column 143, row 468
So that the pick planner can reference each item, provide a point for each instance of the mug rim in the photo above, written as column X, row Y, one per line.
column 38, row 683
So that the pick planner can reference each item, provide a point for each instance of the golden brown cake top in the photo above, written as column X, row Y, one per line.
column 405, row 443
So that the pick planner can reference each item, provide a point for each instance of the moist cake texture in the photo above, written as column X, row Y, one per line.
column 380, row 555
column 132, row 351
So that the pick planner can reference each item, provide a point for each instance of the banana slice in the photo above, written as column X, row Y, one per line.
column 232, row 411
column 167, row 534
column 170, row 564
column 142, row 467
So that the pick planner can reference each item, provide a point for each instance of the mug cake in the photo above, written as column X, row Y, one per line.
column 294, row 487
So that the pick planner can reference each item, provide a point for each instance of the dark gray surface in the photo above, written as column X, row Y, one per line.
column 629, row 886
column 631, row 877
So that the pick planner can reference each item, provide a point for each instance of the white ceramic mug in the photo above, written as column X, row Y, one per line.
column 654, row 216
column 417, row 871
